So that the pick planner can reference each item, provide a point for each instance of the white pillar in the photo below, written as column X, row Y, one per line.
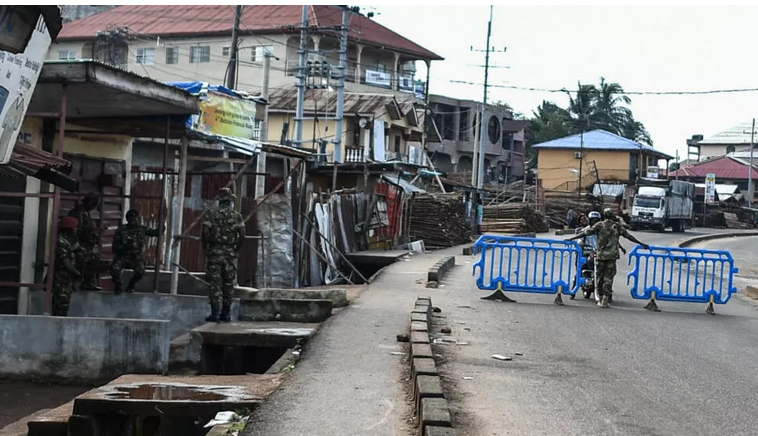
column 358, row 67
column 395, row 73
column 177, row 224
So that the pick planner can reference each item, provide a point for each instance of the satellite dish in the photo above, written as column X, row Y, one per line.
column 362, row 122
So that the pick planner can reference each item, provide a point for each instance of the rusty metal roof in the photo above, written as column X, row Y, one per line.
column 191, row 20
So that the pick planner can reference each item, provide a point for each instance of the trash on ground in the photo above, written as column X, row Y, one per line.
column 519, row 354
column 397, row 353
column 468, row 378
column 222, row 418
column 501, row 357
column 446, row 329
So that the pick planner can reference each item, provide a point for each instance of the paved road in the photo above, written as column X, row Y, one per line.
column 588, row 371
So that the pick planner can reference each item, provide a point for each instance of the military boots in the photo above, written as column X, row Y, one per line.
column 213, row 317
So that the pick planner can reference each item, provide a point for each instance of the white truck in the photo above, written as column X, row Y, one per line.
column 659, row 204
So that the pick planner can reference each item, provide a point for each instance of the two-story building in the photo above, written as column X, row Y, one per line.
column 733, row 139
column 456, row 122
column 592, row 155
column 170, row 43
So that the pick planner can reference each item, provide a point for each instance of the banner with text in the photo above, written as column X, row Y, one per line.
column 224, row 115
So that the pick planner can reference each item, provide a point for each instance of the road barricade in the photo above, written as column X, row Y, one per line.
column 681, row 274
column 534, row 265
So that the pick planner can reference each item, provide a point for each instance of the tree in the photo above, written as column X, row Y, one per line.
column 548, row 122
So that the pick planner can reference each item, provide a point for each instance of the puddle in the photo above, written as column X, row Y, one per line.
column 164, row 393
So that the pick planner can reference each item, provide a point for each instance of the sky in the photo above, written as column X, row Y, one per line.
column 644, row 48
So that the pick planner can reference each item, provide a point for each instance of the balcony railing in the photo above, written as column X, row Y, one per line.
column 354, row 153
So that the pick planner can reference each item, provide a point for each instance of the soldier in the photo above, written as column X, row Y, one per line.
column 608, row 232
column 88, row 237
column 66, row 276
column 128, row 245
column 223, row 234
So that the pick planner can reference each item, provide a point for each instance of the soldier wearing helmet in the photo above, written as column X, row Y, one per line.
column 128, row 245
column 608, row 233
column 65, row 276
column 223, row 234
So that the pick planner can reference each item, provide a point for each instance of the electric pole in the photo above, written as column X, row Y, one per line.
column 341, row 87
column 260, row 165
column 302, row 51
column 483, row 124
column 750, row 171
column 232, row 70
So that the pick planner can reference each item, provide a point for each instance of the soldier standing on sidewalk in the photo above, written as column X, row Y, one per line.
column 608, row 233
column 88, row 236
column 128, row 245
column 65, row 276
column 223, row 234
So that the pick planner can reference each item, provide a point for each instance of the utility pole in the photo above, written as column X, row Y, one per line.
column 260, row 164
column 581, row 163
column 475, row 160
column 676, row 173
column 301, row 78
column 483, row 125
column 232, row 76
column 341, row 87
column 750, row 172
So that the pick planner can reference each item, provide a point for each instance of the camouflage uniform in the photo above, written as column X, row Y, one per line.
column 64, row 282
column 222, row 226
column 608, row 233
column 128, row 245
column 88, row 259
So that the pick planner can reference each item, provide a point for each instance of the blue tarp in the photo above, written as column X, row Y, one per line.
column 196, row 88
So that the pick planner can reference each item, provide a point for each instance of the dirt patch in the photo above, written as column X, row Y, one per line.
column 20, row 399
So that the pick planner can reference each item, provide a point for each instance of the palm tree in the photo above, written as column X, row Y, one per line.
column 582, row 108
column 610, row 106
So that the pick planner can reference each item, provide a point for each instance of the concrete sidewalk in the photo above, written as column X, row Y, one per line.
column 349, row 382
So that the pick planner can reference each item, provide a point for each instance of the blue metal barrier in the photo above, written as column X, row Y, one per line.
column 682, row 274
column 542, row 266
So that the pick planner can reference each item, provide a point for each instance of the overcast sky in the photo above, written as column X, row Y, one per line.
column 644, row 48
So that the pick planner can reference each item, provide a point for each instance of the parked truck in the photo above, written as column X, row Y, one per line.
column 659, row 204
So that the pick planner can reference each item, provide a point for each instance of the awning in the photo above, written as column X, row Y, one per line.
column 29, row 161
column 405, row 185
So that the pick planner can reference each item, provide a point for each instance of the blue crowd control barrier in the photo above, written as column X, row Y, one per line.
column 681, row 274
column 542, row 266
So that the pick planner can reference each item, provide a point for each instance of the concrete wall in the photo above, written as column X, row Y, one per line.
column 86, row 349
column 555, row 165
column 183, row 312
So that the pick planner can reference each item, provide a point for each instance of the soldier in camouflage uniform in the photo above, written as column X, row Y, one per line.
column 608, row 233
column 128, row 245
column 88, row 236
column 66, row 276
column 223, row 234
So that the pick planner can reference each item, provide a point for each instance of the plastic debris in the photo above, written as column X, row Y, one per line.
column 222, row 418
column 501, row 357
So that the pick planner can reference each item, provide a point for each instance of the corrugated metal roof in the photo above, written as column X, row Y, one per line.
column 723, row 167
column 733, row 135
column 285, row 100
column 598, row 140
column 189, row 20
column 405, row 185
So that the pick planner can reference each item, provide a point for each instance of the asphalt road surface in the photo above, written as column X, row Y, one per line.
column 582, row 370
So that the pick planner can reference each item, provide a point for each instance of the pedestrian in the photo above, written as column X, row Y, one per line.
column 608, row 233
column 65, row 275
column 223, row 234
column 128, row 245
column 88, row 236
column 570, row 218
column 479, row 216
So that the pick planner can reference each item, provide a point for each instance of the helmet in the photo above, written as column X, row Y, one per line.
column 226, row 194
column 594, row 215
column 608, row 213
column 69, row 222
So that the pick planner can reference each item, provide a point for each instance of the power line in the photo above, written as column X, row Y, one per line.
column 528, row 88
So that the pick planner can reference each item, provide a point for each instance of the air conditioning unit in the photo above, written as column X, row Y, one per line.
column 577, row 155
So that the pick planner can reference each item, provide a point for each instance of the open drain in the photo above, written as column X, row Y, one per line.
column 239, row 359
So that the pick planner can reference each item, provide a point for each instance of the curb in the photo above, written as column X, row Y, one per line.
column 430, row 404
column 696, row 239
column 439, row 269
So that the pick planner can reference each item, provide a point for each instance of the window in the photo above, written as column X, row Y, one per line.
column 146, row 56
column 260, row 50
column 225, row 51
column 380, row 66
column 397, row 145
column 66, row 55
column 257, row 130
column 200, row 54
column 172, row 55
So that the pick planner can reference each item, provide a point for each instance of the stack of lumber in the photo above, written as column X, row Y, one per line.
column 512, row 218
column 440, row 220
column 557, row 204
column 733, row 221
